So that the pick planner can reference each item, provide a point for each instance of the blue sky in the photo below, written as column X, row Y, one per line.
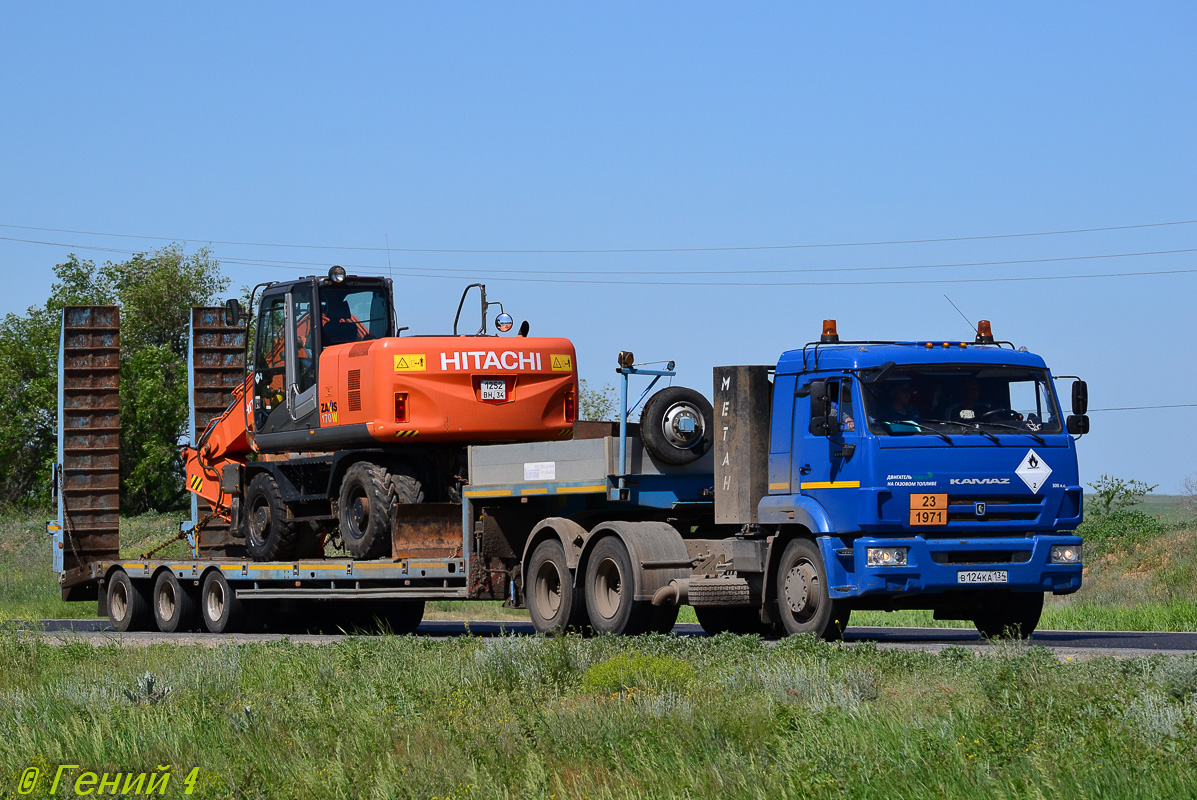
column 635, row 126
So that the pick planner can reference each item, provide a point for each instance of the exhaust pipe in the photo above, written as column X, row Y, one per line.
column 674, row 594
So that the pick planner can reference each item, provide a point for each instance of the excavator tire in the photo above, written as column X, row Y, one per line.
column 268, row 536
column 369, row 492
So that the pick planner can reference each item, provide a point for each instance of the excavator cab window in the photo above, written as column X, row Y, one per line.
column 353, row 314
column 269, row 363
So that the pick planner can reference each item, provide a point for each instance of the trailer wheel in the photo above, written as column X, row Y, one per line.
column 677, row 425
column 267, row 535
column 399, row 617
column 175, row 606
column 221, row 610
column 128, row 608
column 1011, row 616
column 554, row 602
column 803, row 602
column 739, row 620
column 611, row 583
column 368, row 493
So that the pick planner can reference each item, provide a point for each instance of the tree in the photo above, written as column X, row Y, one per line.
column 155, row 292
column 596, row 404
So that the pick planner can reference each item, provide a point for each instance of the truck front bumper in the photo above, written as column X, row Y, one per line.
column 935, row 565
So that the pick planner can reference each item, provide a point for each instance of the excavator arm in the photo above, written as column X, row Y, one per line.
column 225, row 441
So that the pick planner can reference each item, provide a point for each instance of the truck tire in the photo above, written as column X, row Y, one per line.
column 611, row 589
column 740, row 620
column 803, row 602
column 677, row 425
column 128, row 608
column 1011, row 616
column 368, row 493
column 175, row 606
column 220, row 609
column 554, row 602
column 267, row 534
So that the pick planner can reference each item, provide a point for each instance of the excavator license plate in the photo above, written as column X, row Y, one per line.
column 494, row 390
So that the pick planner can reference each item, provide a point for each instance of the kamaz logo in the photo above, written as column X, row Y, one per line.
column 979, row 481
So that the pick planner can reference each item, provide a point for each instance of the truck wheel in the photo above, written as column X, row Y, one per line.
column 611, row 583
column 677, row 425
column 1011, row 616
column 730, row 619
column 554, row 602
column 803, row 602
column 267, row 535
column 221, row 610
column 368, row 493
column 175, row 607
column 128, row 609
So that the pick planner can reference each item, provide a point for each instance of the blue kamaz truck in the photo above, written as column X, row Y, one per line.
column 935, row 475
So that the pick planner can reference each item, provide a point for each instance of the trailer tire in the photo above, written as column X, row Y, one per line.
column 1013, row 616
column 662, row 421
column 364, row 508
column 128, row 608
column 611, row 588
column 175, row 607
column 551, row 590
column 267, row 535
column 740, row 620
column 804, row 604
column 220, row 608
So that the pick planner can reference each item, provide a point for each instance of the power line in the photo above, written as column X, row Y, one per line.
column 614, row 250
column 1144, row 408
column 454, row 273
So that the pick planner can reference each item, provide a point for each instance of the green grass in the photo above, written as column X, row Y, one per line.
column 661, row 717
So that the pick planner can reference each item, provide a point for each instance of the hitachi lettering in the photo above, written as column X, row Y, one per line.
column 979, row 481
column 481, row 360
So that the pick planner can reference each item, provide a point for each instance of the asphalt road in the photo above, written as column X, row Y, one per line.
column 1066, row 644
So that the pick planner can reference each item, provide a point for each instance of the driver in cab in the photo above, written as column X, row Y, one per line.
column 899, row 407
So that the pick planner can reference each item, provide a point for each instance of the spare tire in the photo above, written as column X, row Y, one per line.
column 677, row 425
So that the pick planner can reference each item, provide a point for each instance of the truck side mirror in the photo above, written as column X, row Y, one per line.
column 822, row 423
column 1078, row 424
column 232, row 312
column 1080, row 398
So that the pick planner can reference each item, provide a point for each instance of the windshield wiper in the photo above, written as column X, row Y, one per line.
column 966, row 426
column 1017, row 429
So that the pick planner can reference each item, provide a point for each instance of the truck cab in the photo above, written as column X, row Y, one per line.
column 928, row 469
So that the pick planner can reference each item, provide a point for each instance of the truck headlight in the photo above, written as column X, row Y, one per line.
column 887, row 556
column 1066, row 554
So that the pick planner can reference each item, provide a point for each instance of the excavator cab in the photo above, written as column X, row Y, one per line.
column 297, row 320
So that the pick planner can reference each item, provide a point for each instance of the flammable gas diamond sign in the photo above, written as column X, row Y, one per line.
column 1034, row 471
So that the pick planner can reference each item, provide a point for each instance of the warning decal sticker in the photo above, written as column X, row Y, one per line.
column 562, row 363
column 411, row 362
column 1034, row 471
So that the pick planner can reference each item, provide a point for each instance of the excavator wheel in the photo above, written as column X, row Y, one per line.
column 369, row 492
column 267, row 535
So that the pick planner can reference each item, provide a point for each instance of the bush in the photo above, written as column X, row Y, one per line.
column 1119, row 529
column 624, row 671
column 1111, row 495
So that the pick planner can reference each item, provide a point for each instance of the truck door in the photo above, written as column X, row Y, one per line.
column 827, row 468
column 285, row 362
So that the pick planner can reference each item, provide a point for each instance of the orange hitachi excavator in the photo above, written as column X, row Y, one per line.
column 341, row 420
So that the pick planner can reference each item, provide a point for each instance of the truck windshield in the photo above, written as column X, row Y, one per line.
column 978, row 399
